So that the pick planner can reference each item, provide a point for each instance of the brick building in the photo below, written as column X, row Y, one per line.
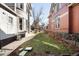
column 64, row 18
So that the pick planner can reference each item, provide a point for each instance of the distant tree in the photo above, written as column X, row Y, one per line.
column 42, row 26
column 37, row 19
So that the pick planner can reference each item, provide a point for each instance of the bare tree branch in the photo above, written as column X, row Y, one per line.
column 33, row 12
column 37, row 18
column 40, row 12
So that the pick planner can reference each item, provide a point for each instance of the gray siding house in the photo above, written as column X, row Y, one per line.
column 13, row 22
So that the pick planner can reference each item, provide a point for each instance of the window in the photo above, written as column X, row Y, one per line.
column 10, row 20
column 56, row 7
column 19, row 5
column 60, row 5
column 20, row 23
column 57, row 22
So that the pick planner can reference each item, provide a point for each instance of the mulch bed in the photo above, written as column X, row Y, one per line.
column 66, row 44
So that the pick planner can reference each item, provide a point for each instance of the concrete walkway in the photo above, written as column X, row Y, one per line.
column 8, row 49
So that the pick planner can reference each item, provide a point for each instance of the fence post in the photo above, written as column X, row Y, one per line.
column 0, row 44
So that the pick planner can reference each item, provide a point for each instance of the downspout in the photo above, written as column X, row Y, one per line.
column 28, row 20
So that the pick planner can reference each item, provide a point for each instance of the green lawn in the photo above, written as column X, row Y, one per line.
column 44, row 45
